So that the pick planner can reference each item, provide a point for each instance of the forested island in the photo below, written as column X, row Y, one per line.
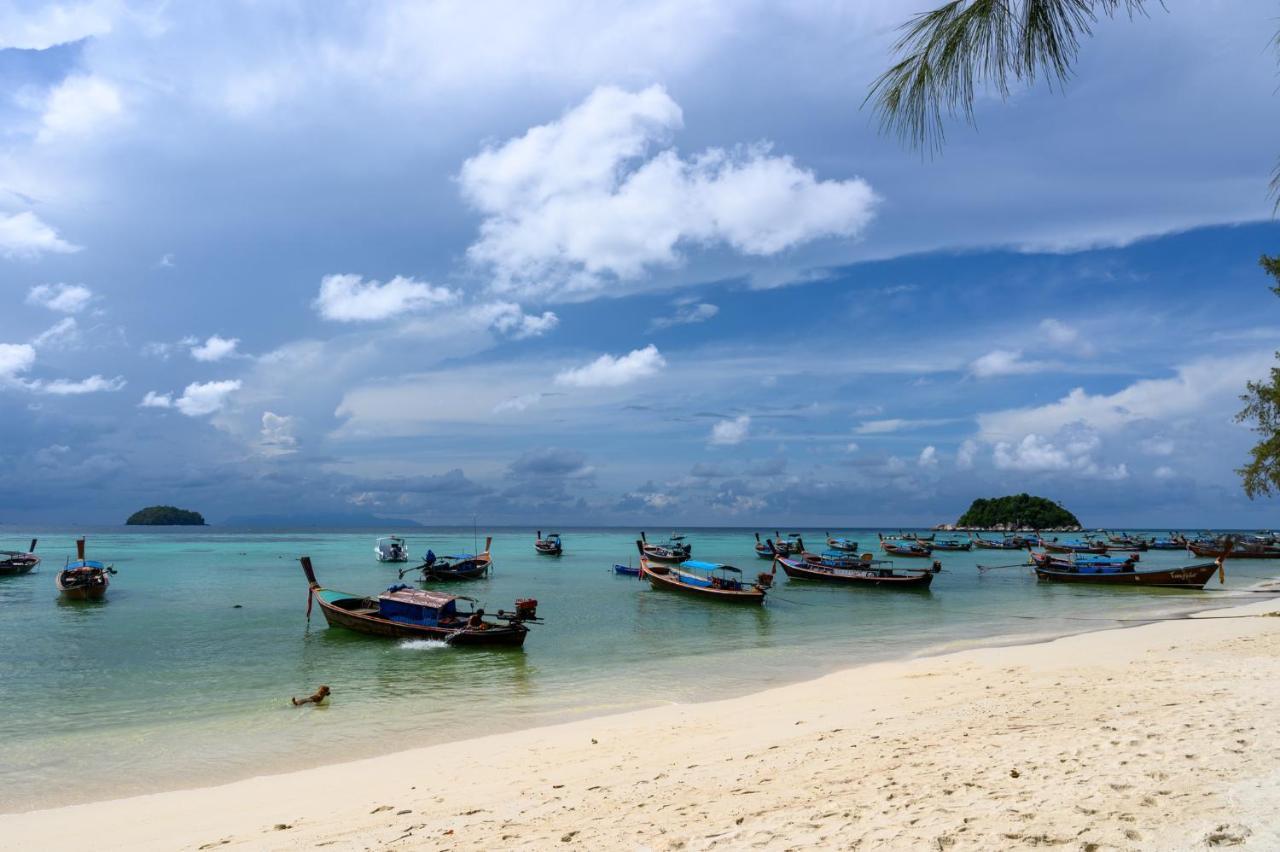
column 165, row 516
column 1018, row 512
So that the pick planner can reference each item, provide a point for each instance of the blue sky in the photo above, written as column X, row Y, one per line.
column 622, row 263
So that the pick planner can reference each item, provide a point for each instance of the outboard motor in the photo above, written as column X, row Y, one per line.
column 526, row 609
column 937, row 566
column 764, row 579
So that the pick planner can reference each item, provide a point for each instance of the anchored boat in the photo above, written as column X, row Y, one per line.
column 708, row 580
column 846, row 545
column 675, row 549
column 14, row 562
column 391, row 548
column 84, row 579
column 458, row 566
column 865, row 571
column 404, row 613
column 909, row 548
column 549, row 546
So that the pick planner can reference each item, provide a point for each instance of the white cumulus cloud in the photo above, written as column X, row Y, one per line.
column 203, row 398
column 510, row 319
column 64, row 298
column 928, row 457
column 78, row 106
column 15, row 358
column 156, row 400
column 215, row 348
column 24, row 235
column 611, row 371
column 728, row 432
column 583, row 200
column 350, row 298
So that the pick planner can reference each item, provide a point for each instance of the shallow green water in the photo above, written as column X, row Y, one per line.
column 167, row 684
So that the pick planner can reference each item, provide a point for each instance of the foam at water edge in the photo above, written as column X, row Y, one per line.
column 423, row 644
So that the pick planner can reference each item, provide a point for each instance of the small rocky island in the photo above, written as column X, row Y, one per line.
column 165, row 516
column 1017, row 512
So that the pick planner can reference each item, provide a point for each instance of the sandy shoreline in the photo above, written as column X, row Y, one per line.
column 1154, row 737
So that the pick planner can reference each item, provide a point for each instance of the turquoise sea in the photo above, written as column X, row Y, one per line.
column 182, row 677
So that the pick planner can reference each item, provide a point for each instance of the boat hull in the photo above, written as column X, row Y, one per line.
column 511, row 636
column 1189, row 577
column 13, row 568
column 856, row 577
column 667, row 581
column 545, row 550
column 80, row 590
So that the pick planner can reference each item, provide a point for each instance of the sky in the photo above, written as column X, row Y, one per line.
column 622, row 263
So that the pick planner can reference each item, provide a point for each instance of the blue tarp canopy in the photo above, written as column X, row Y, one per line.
column 86, row 563
column 708, row 566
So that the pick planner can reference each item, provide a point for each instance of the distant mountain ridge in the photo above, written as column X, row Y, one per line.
column 320, row 520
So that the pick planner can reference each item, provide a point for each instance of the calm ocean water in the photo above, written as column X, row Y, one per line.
column 168, row 684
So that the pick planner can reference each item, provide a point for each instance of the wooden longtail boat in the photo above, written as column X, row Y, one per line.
column 84, row 579
column 952, row 544
column 549, row 546
column 14, row 562
column 863, row 572
column 1188, row 577
column 625, row 570
column 787, row 546
column 1173, row 542
column 844, row 544
column 404, row 613
column 460, row 566
column 1073, row 546
column 390, row 548
column 1081, row 560
column 675, row 550
column 707, row 580
column 765, row 549
column 1246, row 550
column 910, row 549
column 1006, row 543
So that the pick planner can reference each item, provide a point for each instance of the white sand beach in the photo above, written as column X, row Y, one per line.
column 1161, row 736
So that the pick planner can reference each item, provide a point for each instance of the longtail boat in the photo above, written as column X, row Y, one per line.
column 625, row 570
column 1231, row 549
column 953, row 544
column 1127, row 574
column 390, row 548
column 765, row 548
column 847, row 545
column 675, row 549
column 1073, row 545
column 84, row 579
column 458, row 566
column 549, row 546
column 787, row 546
column 1173, row 542
column 14, row 562
column 707, row 580
column 1006, row 543
column 404, row 613
column 1074, row 561
column 856, row 572
column 908, row 548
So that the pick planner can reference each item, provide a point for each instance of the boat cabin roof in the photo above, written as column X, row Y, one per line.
column 393, row 538
column 84, row 563
column 418, row 597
